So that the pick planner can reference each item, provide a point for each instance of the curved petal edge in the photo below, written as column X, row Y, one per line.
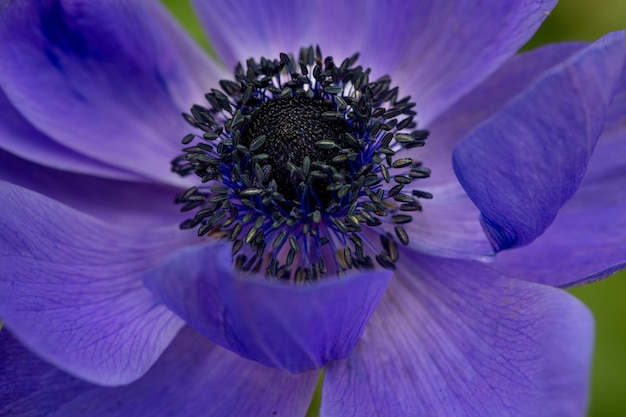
column 521, row 165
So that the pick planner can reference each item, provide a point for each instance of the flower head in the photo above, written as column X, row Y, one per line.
column 329, row 236
column 304, row 158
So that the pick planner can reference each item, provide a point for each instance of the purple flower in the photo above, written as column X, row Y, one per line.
column 341, row 258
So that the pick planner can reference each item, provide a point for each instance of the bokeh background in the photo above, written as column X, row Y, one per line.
column 571, row 20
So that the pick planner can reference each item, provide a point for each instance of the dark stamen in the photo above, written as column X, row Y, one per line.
column 297, row 158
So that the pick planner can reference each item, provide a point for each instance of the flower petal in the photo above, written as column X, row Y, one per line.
column 193, row 378
column 448, row 225
column 245, row 29
column 587, row 239
column 106, row 79
column 22, row 139
column 453, row 46
column 114, row 201
column 293, row 328
column 436, row 51
column 520, row 166
column 453, row 338
column 71, row 290
column 482, row 103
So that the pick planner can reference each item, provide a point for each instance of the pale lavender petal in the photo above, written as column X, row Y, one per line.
column 194, row 377
column 71, row 288
column 106, row 79
column 293, row 328
column 453, row 338
column 520, row 166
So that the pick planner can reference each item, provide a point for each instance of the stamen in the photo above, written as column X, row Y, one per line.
column 301, row 162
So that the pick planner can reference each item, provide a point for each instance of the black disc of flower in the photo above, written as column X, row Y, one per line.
column 299, row 168
column 289, row 130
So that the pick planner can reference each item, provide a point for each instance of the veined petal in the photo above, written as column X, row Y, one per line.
column 454, row 338
column 449, row 225
column 249, row 29
column 482, row 103
column 293, row 328
column 71, row 290
column 20, row 138
column 106, row 79
column 114, row 201
column 242, row 30
column 587, row 239
column 435, row 51
column 521, row 165
column 453, row 46
column 194, row 377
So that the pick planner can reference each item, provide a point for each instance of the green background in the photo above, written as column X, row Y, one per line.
column 571, row 20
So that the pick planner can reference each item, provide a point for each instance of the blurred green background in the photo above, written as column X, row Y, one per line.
column 570, row 20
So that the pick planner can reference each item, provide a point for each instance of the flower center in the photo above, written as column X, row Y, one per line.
column 289, row 130
column 301, row 167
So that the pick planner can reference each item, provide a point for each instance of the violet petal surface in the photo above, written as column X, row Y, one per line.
column 454, row 338
column 71, row 288
column 193, row 377
column 520, row 166
column 436, row 51
column 587, row 239
column 62, row 65
column 293, row 328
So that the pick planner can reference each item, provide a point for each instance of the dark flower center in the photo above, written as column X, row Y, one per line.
column 291, row 129
column 301, row 167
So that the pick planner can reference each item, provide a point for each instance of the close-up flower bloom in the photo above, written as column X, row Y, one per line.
column 386, row 191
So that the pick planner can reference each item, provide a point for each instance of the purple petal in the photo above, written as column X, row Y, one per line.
column 587, row 239
column 520, row 166
column 293, row 328
column 71, row 289
column 436, row 51
column 448, row 225
column 453, row 46
column 110, row 200
column 106, row 79
column 482, row 103
column 193, row 378
column 453, row 338
column 22, row 139
column 252, row 29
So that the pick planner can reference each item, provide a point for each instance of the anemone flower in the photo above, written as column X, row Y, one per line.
column 302, row 224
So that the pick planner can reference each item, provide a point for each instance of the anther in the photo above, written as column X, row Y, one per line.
column 298, row 152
